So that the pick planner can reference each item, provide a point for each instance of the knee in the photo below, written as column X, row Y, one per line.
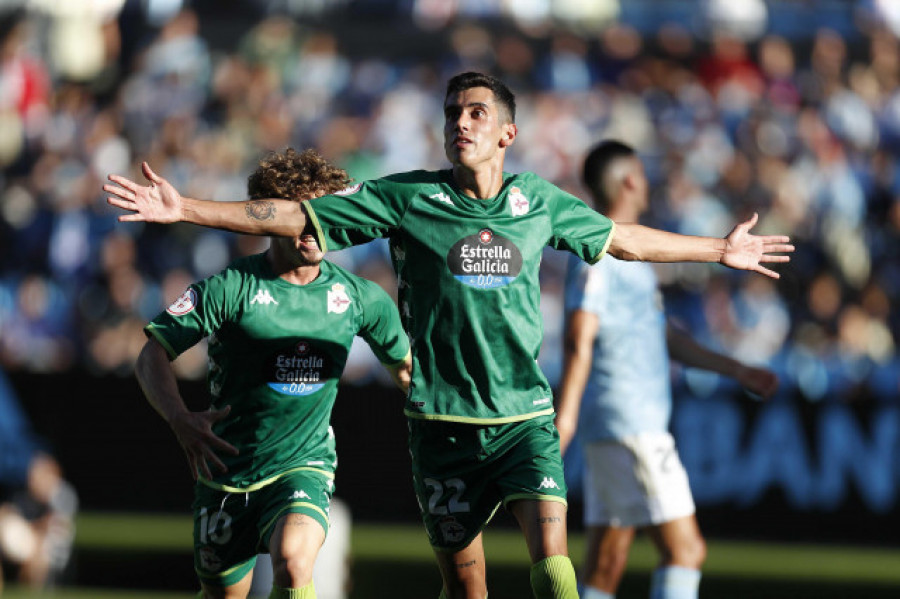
column 293, row 571
column 689, row 553
column 465, row 587
column 612, row 560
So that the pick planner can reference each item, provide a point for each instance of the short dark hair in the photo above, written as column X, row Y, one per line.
column 597, row 165
column 293, row 175
column 468, row 80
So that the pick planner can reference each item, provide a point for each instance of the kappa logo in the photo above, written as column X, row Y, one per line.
column 518, row 202
column 338, row 300
column 300, row 494
column 263, row 297
column 443, row 197
column 548, row 483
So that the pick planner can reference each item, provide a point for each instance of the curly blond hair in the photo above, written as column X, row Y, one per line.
column 293, row 175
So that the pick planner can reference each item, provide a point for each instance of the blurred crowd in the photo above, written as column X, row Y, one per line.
column 730, row 116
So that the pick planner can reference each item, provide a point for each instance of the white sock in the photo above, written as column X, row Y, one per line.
column 675, row 582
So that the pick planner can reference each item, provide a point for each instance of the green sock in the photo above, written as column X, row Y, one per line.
column 307, row 592
column 554, row 578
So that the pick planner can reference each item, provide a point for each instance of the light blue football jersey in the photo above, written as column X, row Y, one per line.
column 628, row 390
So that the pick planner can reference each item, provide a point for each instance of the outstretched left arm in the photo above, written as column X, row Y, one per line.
column 740, row 250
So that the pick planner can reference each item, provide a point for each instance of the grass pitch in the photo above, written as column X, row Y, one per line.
column 399, row 556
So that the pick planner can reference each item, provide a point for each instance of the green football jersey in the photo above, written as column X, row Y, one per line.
column 276, row 352
column 468, row 275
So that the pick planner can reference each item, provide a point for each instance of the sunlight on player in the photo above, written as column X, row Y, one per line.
column 467, row 244
column 280, row 326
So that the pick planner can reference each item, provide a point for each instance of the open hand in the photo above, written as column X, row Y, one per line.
column 194, row 432
column 157, row 202
column 745, row 251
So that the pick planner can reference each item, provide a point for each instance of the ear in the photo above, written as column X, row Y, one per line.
column 509, row 134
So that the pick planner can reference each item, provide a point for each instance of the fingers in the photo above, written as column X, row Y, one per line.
column 123, row 182
column 223, row 445
column 119, row 192
column 751, row 222
column 765, row 271
column 150, row 175
column 771, row 247
column 768, row 258
column 119, row 202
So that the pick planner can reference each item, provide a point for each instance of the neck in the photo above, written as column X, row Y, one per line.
column 482, row 183
column 289, row 269
column 624, row 211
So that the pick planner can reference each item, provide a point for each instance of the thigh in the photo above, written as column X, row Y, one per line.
column 463, row 571
column 226, row 537
column 679, row 541
column 638, row 481
column 527, row 465
column 453, row 485
column 544, row 526
column 304, row 492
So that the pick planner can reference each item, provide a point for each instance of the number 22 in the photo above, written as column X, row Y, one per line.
column 454, row 504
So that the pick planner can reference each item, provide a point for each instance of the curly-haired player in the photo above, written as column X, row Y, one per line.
column 280, row 326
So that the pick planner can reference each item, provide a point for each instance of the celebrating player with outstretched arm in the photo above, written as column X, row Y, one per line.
column 280, row 326
column 480, row 411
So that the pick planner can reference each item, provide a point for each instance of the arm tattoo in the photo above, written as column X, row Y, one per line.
column 468, row 564
column 260, row 210
column 549, row 520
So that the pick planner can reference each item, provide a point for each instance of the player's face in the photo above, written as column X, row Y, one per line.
column 475, row 130
column 303, row 249
column 306, row 250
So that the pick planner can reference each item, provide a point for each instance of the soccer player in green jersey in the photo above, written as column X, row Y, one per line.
column 280, row 327
column 466, row 244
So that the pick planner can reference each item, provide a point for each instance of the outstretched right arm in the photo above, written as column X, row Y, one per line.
column 192, row 429
column 160, row 202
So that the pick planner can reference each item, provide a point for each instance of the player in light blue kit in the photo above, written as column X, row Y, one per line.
column 616, row 392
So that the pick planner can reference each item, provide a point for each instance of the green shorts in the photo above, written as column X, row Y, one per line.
column 463, row 472
column 230, row 528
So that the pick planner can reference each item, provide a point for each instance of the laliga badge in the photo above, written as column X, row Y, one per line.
column 184, row 304
column 518, row 202
column 338, row 300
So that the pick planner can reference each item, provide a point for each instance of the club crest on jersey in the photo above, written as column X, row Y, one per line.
column 349, row 190
column 184, row 304
column 485, row 260
column 518, row 203
column 338, row 300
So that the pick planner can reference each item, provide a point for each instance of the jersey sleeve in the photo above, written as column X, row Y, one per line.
column 357, row 215
column 381, row 327
column 578, row 228
column 197, row 313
